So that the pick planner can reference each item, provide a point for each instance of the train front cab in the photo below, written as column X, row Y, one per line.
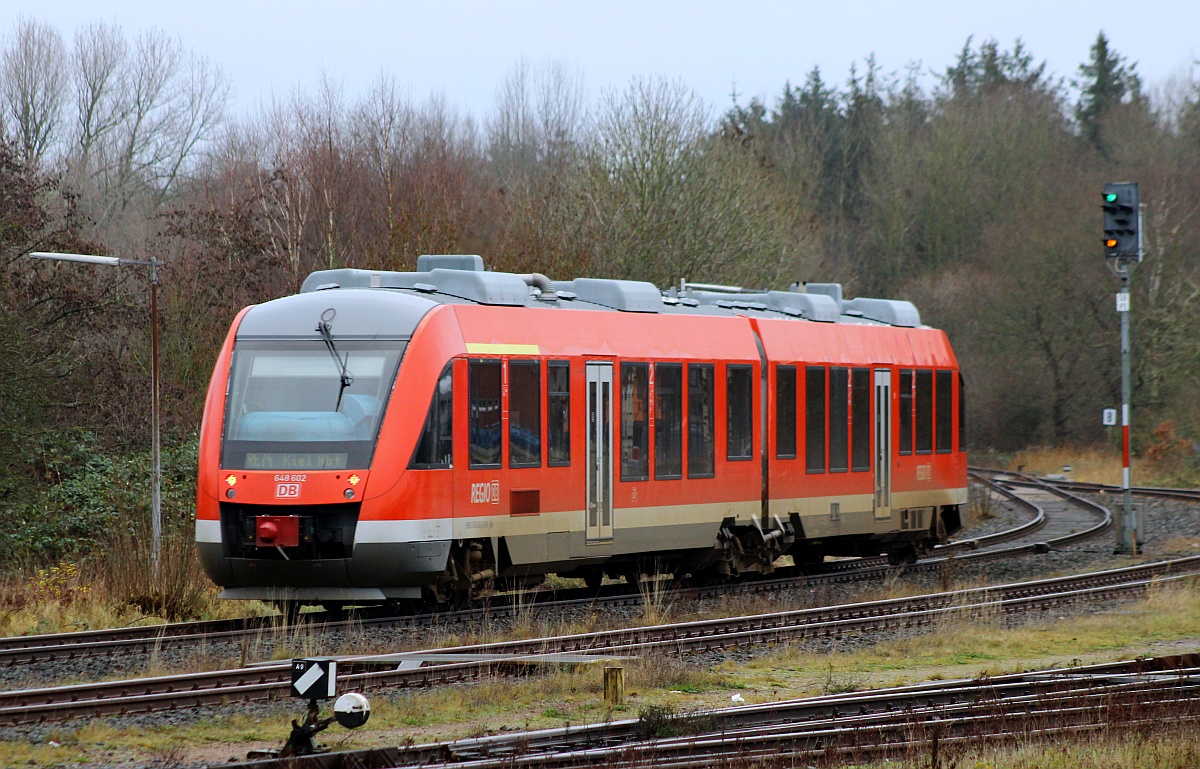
column 297, row 452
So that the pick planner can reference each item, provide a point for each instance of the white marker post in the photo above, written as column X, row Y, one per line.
column 314, row 678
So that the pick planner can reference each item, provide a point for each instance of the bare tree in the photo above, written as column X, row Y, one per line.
column 143, row 113
column 33, row 79
column 668, row 200
column 384, row 126
column 322, row 124
column 561, row 106
column 98, row 60
column 198, row 111
column 283, row 196
column 174, row 101
column 511, row 131
column 539, row 116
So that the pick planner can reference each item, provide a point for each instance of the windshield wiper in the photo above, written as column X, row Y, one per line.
column 346, row 377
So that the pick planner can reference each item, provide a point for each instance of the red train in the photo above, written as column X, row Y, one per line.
column 385, row 435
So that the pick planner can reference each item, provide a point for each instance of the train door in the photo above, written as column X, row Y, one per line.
column 599, row 452
column 883, row 444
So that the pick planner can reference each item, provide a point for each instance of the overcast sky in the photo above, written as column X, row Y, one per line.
column 462, row 48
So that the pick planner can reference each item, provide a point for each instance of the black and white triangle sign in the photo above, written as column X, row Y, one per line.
column 314, row 679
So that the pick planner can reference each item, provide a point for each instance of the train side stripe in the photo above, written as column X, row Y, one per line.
column 426, row 530
column 481, row 348
column 208, row 530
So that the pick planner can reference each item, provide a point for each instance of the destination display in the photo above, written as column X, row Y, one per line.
column 329, row 460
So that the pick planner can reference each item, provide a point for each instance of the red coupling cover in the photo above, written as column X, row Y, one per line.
column 277, row 531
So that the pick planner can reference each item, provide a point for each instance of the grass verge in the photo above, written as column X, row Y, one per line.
column 116, row 587
column 1167, row 621
column 1166, row 461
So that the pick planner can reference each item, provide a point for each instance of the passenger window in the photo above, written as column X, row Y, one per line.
column 944, row 398
column 839, row 419
column 739, row 412
column 524, row 413
column 860, row 420
column 814, row 419
column 635, row 424
column 558, row 418
column 785, row 412
column 906, row 411
column 668, row 421
column 701, row 439
column 484, row 417
column 962, row 413
column 436, row 447
column 924, row 412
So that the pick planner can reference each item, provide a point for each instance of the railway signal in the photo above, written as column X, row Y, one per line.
column 1121, row 237
column 1123, row 249
column 314, row 679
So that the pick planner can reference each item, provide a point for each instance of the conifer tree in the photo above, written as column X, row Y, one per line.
column 1105, row 82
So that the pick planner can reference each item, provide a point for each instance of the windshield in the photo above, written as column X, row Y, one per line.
column 291, row 406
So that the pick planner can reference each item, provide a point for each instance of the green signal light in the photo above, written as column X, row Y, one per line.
column 1110, row 197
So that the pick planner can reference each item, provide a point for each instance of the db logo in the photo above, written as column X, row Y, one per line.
column 485, row 492
column 287, row 491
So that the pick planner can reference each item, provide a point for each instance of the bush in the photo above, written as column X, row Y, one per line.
column 83, row 494
column 177, row 590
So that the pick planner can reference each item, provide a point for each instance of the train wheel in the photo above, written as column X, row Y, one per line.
column 808, row 561
column 593, row 579
column 290, row 611
column 445, row 598
column 902, row 555
column 405, row 606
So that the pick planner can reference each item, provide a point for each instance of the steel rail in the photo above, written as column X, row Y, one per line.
column 1021, row 478
column 23, row 650
column 1192, row 495
column 915, row 727
column 237, row 679
column 1044, row 693
column 858, row 742
column 266, row 682
column 788, row 718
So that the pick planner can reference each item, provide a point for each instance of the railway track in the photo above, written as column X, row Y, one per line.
column 1026, row 538
column 1084, row 487
column 1065, row 516
column 269, row 681
column 364, row 673
column 860, row 725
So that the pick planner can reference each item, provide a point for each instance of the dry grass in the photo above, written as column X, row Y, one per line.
column 1174, row 748
column 968, row 647
column 177, row 589
column 657, row 607
column 980, row 506
column 118, row 588
column 1164, row 463
column 1180, row 545
column 1089, row 465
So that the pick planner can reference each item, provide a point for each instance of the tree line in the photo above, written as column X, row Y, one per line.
column 976, row 198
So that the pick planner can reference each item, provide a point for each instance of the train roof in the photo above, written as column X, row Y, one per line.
column 459, row 279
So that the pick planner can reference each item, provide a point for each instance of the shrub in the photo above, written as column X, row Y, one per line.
column 83, row 492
